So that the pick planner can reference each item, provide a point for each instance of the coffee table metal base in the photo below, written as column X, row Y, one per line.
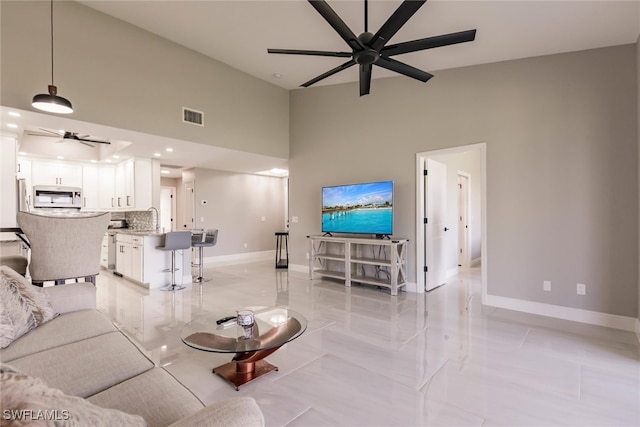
column 241, row 373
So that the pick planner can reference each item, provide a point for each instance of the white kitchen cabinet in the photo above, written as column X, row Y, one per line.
column 90, row 188
column 44, row 172
column 129, row 253
column 125, row 184
column 104, row 252
column 139, row 260
column 8, row 189
column 107, row 187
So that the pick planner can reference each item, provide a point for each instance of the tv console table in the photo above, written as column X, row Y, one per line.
column 372, row 261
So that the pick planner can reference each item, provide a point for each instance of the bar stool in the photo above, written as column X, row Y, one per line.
column 175, row 241
column 201, row 240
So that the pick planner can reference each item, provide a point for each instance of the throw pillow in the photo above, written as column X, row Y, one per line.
column 28, row 401
column 22, row 306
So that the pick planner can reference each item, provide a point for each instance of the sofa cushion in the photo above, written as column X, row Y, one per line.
column 23, row 307
column 62, row 330
column 234, row 412
column 86, row 367
column 29, row 401
column 165, row 399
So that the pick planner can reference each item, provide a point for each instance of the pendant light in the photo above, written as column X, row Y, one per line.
column 51, row 102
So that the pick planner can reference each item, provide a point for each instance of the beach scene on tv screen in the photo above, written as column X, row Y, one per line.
column 358, row 208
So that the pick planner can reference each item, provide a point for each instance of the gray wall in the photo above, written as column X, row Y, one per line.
column 562, row 161
column 236, row 205
column 119, row 75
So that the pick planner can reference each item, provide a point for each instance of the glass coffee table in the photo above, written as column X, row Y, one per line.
column 273, row 327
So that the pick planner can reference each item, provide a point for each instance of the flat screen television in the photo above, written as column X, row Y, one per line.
column 365, row 208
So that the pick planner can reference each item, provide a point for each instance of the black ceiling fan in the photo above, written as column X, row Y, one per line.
column 82, row 139
column 369, row 49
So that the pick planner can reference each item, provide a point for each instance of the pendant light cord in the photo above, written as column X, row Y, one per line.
column 366, row 16
column 52, row 43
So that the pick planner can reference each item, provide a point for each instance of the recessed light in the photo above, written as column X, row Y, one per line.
column 14, row 114
column 22, row 153
column 60, row 157
column 156, row 154
column 108, row 160
column 277, row 75
column 94, row 161
column 115, row 156
column 169, row 149
column 12, row 125
column 279, row 171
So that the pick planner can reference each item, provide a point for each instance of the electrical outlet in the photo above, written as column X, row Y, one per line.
column 546, row 285
column 263, row 218
column 581, row 289
column 307, row 255
column 246, row 245
column 294, row 219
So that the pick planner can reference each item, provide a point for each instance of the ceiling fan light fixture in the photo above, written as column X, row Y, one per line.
column 51, row 102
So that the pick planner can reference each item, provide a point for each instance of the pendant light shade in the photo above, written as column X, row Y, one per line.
column 51, row 102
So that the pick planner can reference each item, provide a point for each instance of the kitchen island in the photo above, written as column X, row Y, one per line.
column 138, row 259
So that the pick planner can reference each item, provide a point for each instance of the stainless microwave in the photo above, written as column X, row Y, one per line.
column 45, row 196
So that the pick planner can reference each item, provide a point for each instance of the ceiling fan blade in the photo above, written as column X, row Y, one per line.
column 48, row 133
column 41, row 134
column 329, row 73
column 429, row 43
column 395, row 22
column 402, row 68
column 86, row 143
column 337, row 23
column 365, row 79
column 311, row 52
column 92, row 140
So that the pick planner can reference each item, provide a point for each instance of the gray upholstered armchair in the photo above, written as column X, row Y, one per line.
column 63, row 247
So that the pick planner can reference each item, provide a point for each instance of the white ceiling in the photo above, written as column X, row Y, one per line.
column 238, row 33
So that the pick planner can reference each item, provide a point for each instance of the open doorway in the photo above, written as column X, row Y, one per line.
column 167, row 209
column 466, row 163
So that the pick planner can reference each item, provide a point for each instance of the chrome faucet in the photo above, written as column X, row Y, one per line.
column 156, row 218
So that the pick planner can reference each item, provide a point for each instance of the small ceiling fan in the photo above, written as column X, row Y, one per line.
column 66, row 135
column 369, row 49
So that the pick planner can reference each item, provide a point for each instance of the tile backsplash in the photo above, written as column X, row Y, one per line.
column 140, row 220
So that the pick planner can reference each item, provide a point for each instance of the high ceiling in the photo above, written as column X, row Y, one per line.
column 238, row 33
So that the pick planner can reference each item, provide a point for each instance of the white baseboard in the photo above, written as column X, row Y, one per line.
column 567, row 313
column 452, row 272
column 299, row 268
column 638, row 329
column 241, row 258
column 476, row 262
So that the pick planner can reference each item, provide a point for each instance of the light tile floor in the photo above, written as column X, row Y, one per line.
column 370, row 359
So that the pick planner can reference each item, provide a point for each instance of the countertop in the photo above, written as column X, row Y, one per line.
column 136, row 232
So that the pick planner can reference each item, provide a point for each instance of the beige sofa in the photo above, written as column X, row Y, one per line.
column 82, row 353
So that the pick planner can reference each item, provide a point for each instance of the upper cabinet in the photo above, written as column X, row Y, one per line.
column 125, row 186
column 44, row 172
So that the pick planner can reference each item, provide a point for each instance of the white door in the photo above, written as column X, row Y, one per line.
column 167, row 208
column 189, row 221
column 463, row 220
column 435, row 227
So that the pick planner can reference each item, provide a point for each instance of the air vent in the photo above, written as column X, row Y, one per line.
column 192, row 116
